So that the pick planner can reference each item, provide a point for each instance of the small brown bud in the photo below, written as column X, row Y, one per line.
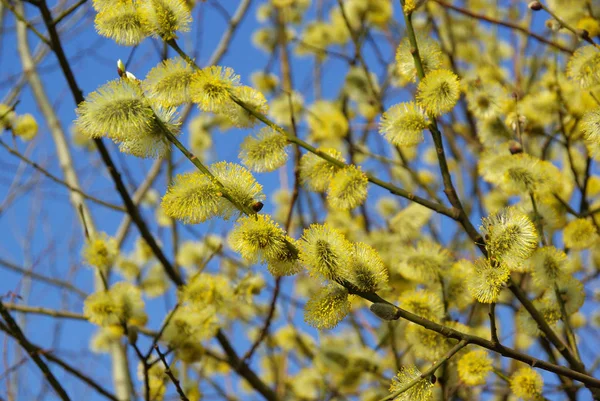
column 433, row 379
column 535, row 5
column 257, row 206
column 515, row 148
column 583, row 33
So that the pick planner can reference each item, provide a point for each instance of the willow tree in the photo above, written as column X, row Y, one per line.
column 431, row 231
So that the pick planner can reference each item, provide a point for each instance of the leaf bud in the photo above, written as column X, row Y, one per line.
column 132, row 335
column 384, row 311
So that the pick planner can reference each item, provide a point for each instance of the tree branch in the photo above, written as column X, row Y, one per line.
column 13, row 329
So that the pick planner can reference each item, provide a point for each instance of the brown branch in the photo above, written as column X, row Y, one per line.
column 242, row 369
column 267, row 324
column 234, row 21
column 36, row 310
column 493, row 328
column 15, row 331
column 40, row 277
column 505, row 24
column 74, row 371
column 58, row 180
column 482, row 342
column 68, row 11
column 169, row 373
column 29, row 26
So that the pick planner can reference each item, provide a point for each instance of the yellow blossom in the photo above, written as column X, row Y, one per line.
column 210, row 87
column 315, row 172
column 25, row 127
column 324, row 251
column 527, row 384
column 327, row 307
column 266, row 152
column 580, row 234
column 100, row 251
column 163, row 18
column 121, row 22
column 403, row 124
column 348, row 188
column 168, row 83
column 421, row 391
column 474, row 367
column 438, row 92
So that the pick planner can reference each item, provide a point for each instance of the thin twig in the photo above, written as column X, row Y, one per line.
column 40, row 277
column 234, row 361
column 68, row 11
column 234, row 22
column 265, row 328
column 493, row 329
column 169, row 373
column 58, row 180
column 22, row 19
column 506, row 24
column 431, row 370
column 580, row 34
column 37, row 310
column 17, row 334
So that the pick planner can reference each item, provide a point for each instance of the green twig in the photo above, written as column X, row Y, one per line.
column 431, row 370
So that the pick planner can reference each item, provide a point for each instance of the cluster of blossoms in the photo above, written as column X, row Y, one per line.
column 141, row 114
column 325, row 252
column 129, row 22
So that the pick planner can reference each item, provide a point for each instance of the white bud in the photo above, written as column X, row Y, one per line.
column 129, row 75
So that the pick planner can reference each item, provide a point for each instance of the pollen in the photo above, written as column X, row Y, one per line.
column 327, row 307
column 348, row 188
column 122, row 23
column 265, row 152
column 403, row 124
column 438, row 92
column 474, row 367
column 210, row 88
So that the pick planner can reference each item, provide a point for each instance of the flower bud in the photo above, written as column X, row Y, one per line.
column 553, row 25
column 535, row 5
column 120, row 68
column 583, row 33
column 130, row 76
